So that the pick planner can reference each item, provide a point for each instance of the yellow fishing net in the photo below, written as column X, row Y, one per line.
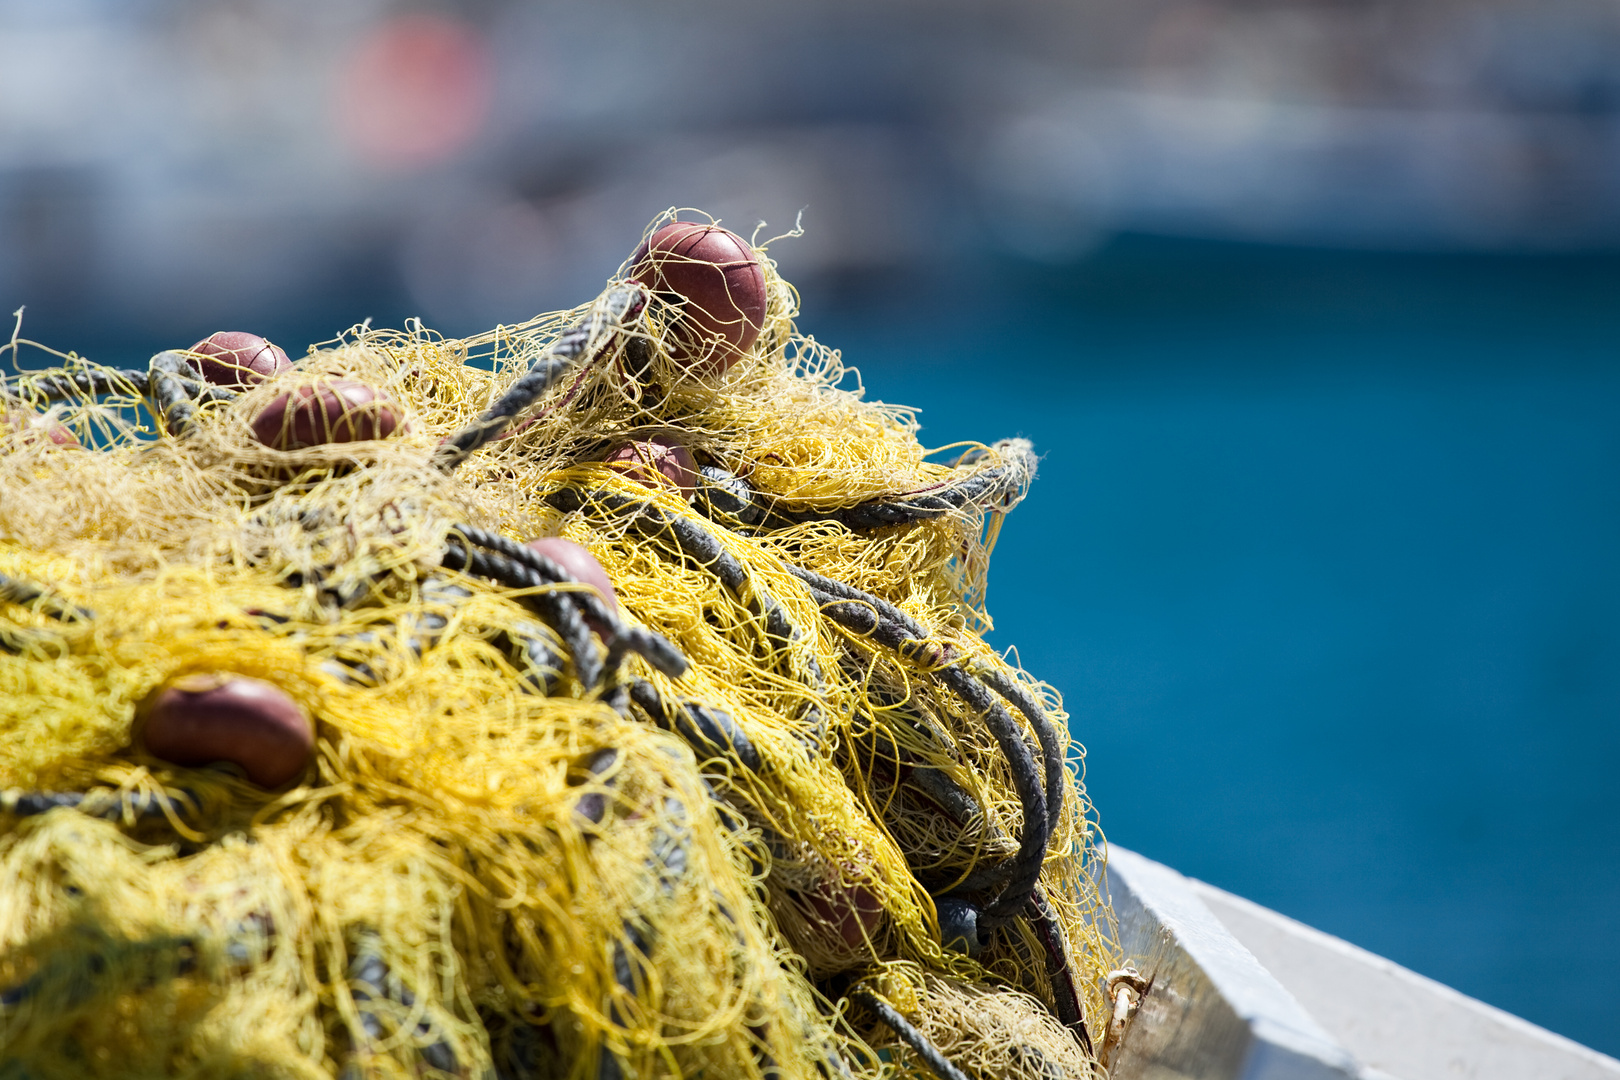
column 786, row 815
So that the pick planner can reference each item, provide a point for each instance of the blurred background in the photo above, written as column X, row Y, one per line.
column 1313, row 308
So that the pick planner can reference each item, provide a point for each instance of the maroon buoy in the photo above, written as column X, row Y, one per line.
column 22, row 429
column 719, row 275
column 238, row 359
column 331, row 411
column 659, row 460
column 845, row 914
column 199, row 719
column 579, row 562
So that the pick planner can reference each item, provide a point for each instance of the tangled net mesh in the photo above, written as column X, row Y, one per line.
column 496, row 864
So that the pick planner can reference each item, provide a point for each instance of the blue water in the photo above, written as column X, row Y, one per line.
column 1322, row 556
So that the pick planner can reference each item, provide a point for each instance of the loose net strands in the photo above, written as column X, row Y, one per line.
column 770, row 809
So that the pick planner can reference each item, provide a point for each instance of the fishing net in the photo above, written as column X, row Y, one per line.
column 782, row 813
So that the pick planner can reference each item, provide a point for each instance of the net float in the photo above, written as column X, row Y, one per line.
column 331, row 411
column 657, row 460
column 199, row 719
column 25, row 429
column 237, row 359
column 719, row 277
column 580, row 563
column 847, row 915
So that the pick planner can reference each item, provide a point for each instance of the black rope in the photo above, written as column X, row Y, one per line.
column 24, row 593
column 727, row 496
column 85, row 383
column 651, row 647
column 423, row 629
column 708, row 730
column 100, row 804
column 530, row 649
column 959, row 919
column 592, row 806
column 839, row 590
column 170, row 382
column 207, row 393
column 371, row 979
column 873, row 617
column 1024, row 867
column 613, row 312
column 1051, row 751
column 552, row 606
column 881, row 621
column 521, row 567
column 996, row 483
column 937, row 1062
column 1059, row 967
column 694, row 540
column 592, row 606
column 938, row 787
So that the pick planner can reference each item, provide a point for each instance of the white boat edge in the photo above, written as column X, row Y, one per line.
column 1240, row 992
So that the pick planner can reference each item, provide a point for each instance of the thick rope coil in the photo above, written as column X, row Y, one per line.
column 704, row 549
column 869, row 617
column 1023, row 869
column 558, row 613
column 960, row 919
column 1039, row 722
column 710, row 732
column 590, row 604
column 1000, row 486
column 571, row 612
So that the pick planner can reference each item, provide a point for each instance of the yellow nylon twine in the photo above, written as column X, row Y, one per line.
column 475, row 877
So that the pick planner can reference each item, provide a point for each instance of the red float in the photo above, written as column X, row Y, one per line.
column 656, row 461
column 847, row 915
column 203, row 718
column 719, row 276
column 238, row 359
column 331, row 411
column 24, row 429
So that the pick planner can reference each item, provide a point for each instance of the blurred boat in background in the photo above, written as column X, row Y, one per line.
column 166, row 160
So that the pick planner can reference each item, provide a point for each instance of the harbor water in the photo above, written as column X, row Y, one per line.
column 1324, row 555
